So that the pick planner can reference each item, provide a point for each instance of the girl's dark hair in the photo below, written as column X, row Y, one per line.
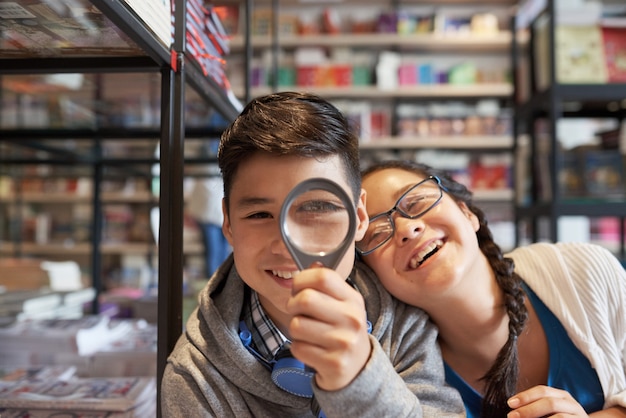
column 289, row 123
column 501, row 379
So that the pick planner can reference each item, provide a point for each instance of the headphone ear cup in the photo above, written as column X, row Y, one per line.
column 293, row 376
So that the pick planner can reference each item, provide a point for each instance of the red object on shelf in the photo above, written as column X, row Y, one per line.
column 614, row 40
column 305, row 76
column 342, row 75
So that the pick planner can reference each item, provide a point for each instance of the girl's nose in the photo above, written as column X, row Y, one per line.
column 408, row 229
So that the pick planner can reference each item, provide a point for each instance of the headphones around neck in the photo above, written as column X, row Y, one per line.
column 288, row 373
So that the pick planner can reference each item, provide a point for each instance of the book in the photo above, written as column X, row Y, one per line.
column 22, row 274
column 78, row 297
column 133, row 354
column 604, row 174
column 44, row 303
column 614, row 39
column 73, row 29
column 145, row 410
column 157, row 16
column 89, row 394
column 570, row 177
column 55, row 413
column 580, row 55
column 14, row 376
column 28, row 302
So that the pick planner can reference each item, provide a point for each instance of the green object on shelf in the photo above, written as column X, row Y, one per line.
column 361, row 76
column 286, row 76
column 462, row 74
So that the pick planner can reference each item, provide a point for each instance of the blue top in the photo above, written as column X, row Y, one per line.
column 569, row 369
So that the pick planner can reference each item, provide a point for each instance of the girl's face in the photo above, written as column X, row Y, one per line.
column 426, row 257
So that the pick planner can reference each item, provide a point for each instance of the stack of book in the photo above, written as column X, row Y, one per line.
column 58, row 341
column 56, row 391
column 39, row 289
column 133, row 354
column 44, row 304
column 156, row 14
column 94, row 346
column 207, row 40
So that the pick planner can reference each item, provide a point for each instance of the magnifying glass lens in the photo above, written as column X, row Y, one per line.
column 317, row 222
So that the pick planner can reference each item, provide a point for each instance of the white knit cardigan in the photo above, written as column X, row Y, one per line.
column 584, row 285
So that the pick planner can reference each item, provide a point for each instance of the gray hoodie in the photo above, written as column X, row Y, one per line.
column 211, row 373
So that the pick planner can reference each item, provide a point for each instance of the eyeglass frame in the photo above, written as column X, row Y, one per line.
column 395, row 208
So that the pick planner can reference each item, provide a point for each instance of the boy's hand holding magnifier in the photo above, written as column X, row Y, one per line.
column 329, row 328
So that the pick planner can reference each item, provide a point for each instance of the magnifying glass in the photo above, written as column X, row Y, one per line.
column 318, row 223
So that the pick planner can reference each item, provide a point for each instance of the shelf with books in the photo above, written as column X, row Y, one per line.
column 404, row 73
column 487, row 90
column 342, row 45
column 58, row 41
column 569, row 129
column 497, row 42
column 70, row 198
column 377, row 2
column 83, row 249
column 469, row 142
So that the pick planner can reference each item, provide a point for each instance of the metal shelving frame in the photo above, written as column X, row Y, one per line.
column 549, row 104
column 176, row 73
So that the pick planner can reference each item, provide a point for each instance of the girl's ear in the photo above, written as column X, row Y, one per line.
column 362, row 218
column 470, row 215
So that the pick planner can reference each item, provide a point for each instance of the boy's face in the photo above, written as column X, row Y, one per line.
column 252, row 227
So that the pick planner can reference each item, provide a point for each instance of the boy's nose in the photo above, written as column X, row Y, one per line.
column 277, row 246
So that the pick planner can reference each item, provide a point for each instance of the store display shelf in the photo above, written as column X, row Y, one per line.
column 84, row 249
column 593, row 208
column 499, row 42
column 377, row 2
column 71, row 198
column 601, row 94
column 467, row 142
column 435, row 91
column 493, row 195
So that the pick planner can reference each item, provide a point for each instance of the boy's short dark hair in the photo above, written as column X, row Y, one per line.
column 289, row 123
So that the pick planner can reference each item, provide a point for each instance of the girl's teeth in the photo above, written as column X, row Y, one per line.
column 422, row 254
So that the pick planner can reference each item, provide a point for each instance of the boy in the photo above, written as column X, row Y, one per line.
column 278, row 141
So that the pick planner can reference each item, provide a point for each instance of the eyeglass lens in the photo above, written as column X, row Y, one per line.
column 414, row 203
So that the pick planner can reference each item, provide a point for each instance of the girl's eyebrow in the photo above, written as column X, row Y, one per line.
column 398, row 193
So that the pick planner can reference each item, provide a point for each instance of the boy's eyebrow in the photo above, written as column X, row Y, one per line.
column 253, row 201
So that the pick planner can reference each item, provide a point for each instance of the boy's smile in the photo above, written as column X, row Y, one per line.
column 259, row 189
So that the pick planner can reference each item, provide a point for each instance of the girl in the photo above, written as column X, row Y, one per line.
column 538, row 332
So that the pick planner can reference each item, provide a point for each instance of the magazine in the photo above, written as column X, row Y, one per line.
column 115, row 394
column 12, row 377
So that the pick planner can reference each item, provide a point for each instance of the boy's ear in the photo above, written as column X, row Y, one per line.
column 363, row 220
column 226, row 229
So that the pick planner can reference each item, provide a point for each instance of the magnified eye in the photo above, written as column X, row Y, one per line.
column 319, row 207
column 318, row 221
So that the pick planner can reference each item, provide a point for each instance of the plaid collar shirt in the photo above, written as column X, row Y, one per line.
column 266, row 337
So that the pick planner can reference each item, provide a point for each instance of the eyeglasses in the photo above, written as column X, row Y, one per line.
column 414, row 203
